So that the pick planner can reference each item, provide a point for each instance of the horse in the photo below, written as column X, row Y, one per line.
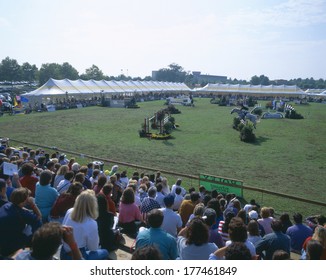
column 243, row 115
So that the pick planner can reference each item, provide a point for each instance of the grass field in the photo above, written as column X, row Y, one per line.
column 289, row 156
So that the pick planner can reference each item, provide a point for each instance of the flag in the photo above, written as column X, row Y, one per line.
column 24, row 99
column 15, row 102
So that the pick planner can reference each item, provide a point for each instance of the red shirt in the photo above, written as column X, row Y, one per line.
column 29, row 182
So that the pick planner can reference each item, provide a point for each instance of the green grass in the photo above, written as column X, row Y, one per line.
column 289, row 156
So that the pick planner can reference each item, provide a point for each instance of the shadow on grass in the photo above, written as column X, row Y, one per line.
column 260, row 140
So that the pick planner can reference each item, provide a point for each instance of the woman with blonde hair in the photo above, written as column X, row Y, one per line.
column 320, row 236
column 82, row 218
column 63, row 169
column 266, row 220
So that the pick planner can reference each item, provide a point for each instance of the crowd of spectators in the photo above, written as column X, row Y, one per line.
column 54, row 207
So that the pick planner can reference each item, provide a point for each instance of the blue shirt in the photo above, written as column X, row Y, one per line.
column 298, row 234
column 164, row 241
column 45, row 197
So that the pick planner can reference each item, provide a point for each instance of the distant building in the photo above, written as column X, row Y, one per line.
column 202, row 78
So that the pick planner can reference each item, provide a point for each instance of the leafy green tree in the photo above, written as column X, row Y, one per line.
column 69, row 72
column 93, row 73
column 49, row 70
column 29, row 72
column 10, row 70
column 174, row 73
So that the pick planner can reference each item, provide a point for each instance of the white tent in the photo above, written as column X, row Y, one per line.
column 80, row 89
column 255, row 90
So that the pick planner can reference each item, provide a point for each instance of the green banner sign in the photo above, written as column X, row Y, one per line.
column 222, row 185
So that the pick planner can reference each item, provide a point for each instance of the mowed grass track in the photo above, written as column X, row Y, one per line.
column 289, row 156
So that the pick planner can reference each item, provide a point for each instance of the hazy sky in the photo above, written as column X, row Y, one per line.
column 239, row 39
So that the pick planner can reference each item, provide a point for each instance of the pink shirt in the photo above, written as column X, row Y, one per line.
column 129, row 213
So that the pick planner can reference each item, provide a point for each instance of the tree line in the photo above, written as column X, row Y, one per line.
column 11, row 71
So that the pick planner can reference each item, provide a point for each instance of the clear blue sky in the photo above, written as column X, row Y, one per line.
column 239, row 39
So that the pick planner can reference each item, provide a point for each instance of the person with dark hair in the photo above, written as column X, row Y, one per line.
column 298, row 233
column 66, row 182
column 130, row 217
column 149, row 203
column 274, row 241
column 253, row 232
column 64, row 202
column 223, row 227
column 193, row 241
column 314, row 250
column 28, row 180
column 286, row 222
column 237, row 251
column 178, row 198
column 156, row 236
column 172, row 222
column 3, row 190
column 45, row 195
column 316, row 220
column 209, row 217
column 238, row 233
column 280, row 255
column 147, row 253
column 13, row 220
column 319, row 235
column 178, row 185
column 47, row 240
column 101, row 181
column 87, row 183
column 187, row 207
column 106, row 191
column 215, row 204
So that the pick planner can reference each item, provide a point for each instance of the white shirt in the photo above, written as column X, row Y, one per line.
column 177, row 201
column 85, row 233
column 183, row 191
column 159, row 198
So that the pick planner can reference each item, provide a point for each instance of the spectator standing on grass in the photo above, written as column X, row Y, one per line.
column 82, row 218
column 156, row 236
column 298, row 233
column 45, row 195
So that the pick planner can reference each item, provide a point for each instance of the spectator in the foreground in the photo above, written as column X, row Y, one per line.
column 82, row 218
column 193, row 241
column 13, row 220
column 314, row 250
column 274, row 241
column 147, row 253
column 46, row 242
column 319, row 235
column 155, row 235
column 281, row 255
column 237, row 251
column 298, row 233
